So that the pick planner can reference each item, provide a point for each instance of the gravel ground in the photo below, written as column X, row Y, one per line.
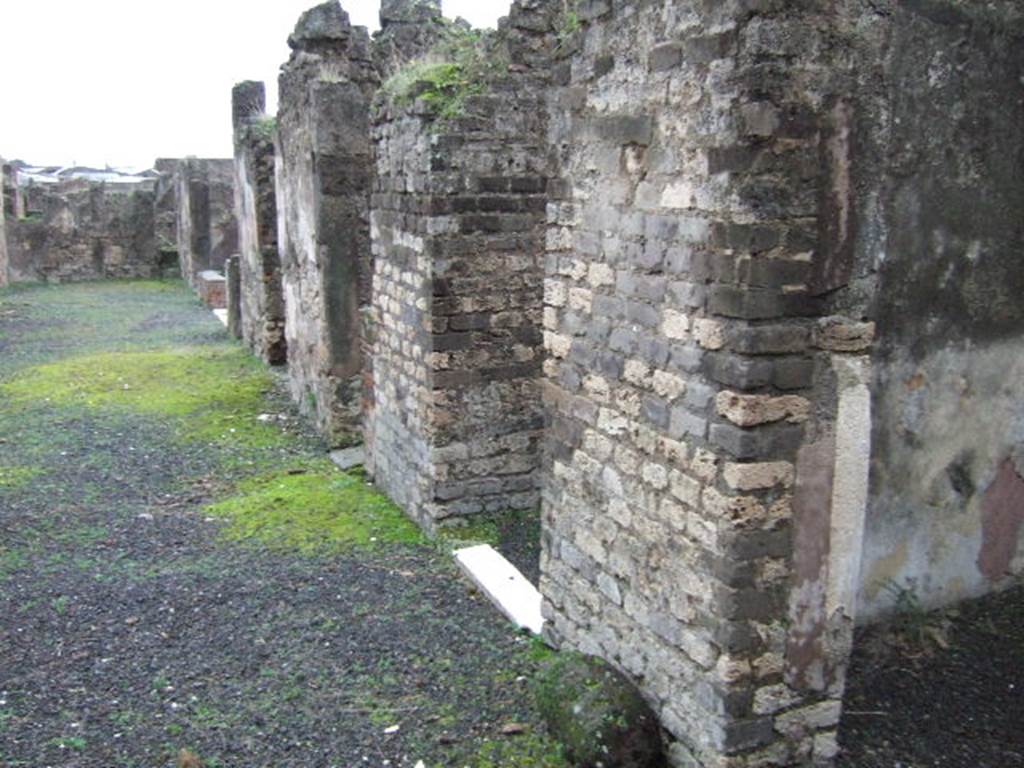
column 942, row 690
column 130, row 629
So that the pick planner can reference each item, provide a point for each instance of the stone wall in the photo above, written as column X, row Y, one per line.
column 781, row 383
column 260, row 309
column 207, row 232
column 165, row 216
column 323, row 160
column 79, row 230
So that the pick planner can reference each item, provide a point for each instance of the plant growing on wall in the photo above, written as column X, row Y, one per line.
column 263, row 127
column 450, row 74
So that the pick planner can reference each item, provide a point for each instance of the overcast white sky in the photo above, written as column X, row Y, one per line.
column 122, row 82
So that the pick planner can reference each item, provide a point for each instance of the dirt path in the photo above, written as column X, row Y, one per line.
column 181, row 569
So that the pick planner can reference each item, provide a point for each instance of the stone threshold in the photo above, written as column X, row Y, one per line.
column 503, row 584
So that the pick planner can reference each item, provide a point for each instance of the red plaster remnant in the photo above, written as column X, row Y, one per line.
column 812, row 507
column 1002, row 514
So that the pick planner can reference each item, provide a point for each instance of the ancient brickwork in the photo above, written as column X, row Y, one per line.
column 260, row 298
column 207, row 232
column 80, row 230
column 681, row 378
column 323, row 161
column 458, row 210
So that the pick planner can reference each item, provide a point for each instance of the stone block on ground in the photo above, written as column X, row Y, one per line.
column 212, row 289
column 348, row 458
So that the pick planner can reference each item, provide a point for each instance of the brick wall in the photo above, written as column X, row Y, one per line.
column 458, row 238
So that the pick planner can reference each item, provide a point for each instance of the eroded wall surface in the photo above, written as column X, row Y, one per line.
column 79, row 230
column 946, row 513
column 323, row 160
column 260, row 298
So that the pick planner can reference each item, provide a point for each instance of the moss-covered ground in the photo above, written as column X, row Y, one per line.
column 180, row 567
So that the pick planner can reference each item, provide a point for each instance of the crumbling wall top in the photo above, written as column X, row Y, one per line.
column 248, row 102
column 409, row 12
column 324, row 25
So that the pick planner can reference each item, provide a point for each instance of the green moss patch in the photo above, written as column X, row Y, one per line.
column 522, row 751
column 16, row 477
column 317, row 511
column 212, row 393
column 596, row 713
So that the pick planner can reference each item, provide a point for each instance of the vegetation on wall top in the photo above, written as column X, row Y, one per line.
column 449, row 75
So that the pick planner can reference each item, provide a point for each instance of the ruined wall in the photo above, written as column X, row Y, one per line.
column 691, row 238
column 458, row 228
column 323, row 161
column 207, row 232
column 945, row 238
column 260, row 307
column 79, row 230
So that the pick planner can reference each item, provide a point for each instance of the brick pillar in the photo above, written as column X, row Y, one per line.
column 692, row 438
column 457, row 222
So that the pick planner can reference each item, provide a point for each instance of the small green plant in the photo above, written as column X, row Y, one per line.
column 263, row 127
column 912, row 627
column 16, row 477
column 160, row 683
column 569, row 23
column 60, row 604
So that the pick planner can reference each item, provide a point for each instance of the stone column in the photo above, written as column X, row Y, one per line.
column 234, row 296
